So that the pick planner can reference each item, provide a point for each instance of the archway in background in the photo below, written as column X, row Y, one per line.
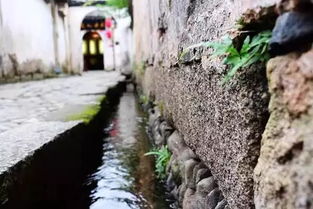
column 93, row 51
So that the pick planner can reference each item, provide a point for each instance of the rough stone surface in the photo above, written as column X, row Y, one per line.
column 19, row 143
column 206, row 185
column 221, row 124
column 182, row 192
column 202, row 173
column 176, row 143
column 166, row 130
column 221, row 205
column 188, row 199
column 188, row 175
column 258, row 19
column 33, row 113
column 189, row 179
column 284, row 173
column 292, row 30
column 198, row 167
column 213, row 198
column 295, row 5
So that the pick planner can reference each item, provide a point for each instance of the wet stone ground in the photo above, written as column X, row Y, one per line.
column 33, row 113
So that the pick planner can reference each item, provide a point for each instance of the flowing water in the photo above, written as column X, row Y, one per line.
column 125, row 178
column 100, row 166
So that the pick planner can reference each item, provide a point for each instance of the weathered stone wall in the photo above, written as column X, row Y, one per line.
column 189, row 180
column 221, row 124
column 284, row 174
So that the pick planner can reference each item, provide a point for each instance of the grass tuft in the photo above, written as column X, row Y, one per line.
column 163, row 157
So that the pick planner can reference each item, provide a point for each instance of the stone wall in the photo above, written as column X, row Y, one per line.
column 284, row 174
column 189, row 180
column 223, row 124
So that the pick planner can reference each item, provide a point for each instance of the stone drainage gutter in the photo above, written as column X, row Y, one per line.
column 42, row 144
column 190, row 182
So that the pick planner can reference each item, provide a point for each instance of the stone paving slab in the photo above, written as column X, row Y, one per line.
column 18, row 143
column 28, row 110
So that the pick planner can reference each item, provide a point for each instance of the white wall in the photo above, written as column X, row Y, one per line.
column 122, row 35
column 27, row 30
column 27, row 34
column 61, row 39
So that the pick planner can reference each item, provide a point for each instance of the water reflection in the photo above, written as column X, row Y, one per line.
column 126, row 180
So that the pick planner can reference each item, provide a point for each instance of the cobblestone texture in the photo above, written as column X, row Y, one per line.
column 34, row 113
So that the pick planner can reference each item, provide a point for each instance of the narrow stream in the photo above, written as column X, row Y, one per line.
column 99, row 166
column 126, row 178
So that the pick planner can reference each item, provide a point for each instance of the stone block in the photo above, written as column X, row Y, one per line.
column 205, row 186
column 188, row 173
column 202, row 173
column 283, row 175
column 182, row 190
column 213, row 199
column 176, row 143
column 165, row 130
column 38, row 76
column 189, row 199
column 221, row 205
column 293, row 30
column 26, row 78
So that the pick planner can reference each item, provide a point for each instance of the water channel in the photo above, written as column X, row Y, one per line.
column 97, row 169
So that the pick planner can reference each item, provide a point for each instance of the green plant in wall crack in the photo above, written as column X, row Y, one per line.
column 163, row 156
column 254, row 49
column 143, row 99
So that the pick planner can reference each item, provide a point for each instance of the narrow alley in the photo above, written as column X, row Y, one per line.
column 156, row 104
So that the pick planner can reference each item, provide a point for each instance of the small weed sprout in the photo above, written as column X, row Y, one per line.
column 253, row 50
column 161, row 106
column 240, row 23
column 163, row 156
column 143, row 99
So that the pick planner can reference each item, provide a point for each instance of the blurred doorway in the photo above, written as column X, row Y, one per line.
column 93, row 51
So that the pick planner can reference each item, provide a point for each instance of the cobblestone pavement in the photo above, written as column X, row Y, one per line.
column 33, row 113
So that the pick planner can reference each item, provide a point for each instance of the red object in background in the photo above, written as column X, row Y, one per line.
column 114, row 131
column 108, row 22
column 108, row 34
